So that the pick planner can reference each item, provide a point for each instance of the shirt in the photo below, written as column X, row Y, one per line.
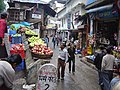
column 3, row 27
column 114, row 82
column 63, row 54
column 107, row 62
column 7, row 74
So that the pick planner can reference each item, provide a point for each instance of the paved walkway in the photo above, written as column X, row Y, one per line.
column 85, row 78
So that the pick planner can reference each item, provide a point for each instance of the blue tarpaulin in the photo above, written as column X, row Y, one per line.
column 90, row 1
column 25, row 23
column 18, row 25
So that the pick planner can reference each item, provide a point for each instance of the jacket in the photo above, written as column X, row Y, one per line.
column 3, row 27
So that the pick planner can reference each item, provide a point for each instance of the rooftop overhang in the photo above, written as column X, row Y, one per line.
column 98, row 3
column 49, row 10
column 100, row 8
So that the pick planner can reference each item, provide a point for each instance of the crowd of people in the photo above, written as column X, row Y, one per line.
column 105, row 62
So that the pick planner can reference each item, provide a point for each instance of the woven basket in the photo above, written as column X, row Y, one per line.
column 41, row 56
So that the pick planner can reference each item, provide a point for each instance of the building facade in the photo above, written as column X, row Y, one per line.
column 69, row 23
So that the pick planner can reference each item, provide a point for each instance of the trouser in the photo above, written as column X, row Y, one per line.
column 53, row 44
column 61, row 68
column 107, row 77
column 3, row 50
column 73, row 65
column 100, row 76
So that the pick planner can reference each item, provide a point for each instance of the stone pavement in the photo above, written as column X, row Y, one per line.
column 85, row 76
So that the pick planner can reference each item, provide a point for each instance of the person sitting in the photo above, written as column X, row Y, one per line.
column 7, row 72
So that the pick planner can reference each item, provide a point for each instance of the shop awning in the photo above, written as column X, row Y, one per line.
column 49, row 10
column 90, row 1
column 100, row 8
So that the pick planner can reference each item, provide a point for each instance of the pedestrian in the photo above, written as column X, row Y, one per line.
column 54, row 41
column 58, row 40
column 3, row 30
column 107, row 68
column 65, row 40
column 7, row 71
column 116, row 79
column 62, row 60
column 98, row 61
column 71, row 58
column 46, row 40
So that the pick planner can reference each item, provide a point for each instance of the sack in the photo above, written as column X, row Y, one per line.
column 3, row 52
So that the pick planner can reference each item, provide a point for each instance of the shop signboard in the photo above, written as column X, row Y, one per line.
column 37, row 16
column 68, row 21
column 47, row 77
column 107, row 14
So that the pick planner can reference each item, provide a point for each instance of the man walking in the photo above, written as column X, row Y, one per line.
column 98, row 62
column 107, row 68
column 62, row 59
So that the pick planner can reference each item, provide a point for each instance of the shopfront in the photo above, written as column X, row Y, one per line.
column 106, row 26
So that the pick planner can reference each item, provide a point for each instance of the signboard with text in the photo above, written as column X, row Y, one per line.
column 47, row 77
column 36, row 16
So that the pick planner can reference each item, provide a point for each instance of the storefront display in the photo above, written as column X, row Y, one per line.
column 107, row 33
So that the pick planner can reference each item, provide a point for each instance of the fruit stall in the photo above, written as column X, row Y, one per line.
column 18, row 34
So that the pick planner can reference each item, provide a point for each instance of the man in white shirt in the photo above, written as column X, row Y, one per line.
column 107, row 68
column 7, row 72
column 62, row 59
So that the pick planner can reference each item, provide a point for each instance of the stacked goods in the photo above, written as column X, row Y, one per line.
column 23, row 29
column 30, row 32
column 35, row 41
column 18, row 49
column 116, row 52
column 41, row 51
column 16, row 26
column 16, row 39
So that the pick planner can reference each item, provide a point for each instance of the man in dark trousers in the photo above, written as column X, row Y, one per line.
column 98, row 62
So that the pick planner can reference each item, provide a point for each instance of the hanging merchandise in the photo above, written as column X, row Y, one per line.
column 89, row 50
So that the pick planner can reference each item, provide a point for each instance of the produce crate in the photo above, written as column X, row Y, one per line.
column 12, row 32
column 41, row 56
column 21, row 66
column 16, row 40
column 20, row 52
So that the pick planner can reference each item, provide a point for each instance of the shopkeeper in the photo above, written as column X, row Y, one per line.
column 3, row 30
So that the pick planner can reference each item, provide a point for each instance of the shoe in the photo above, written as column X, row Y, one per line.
column 62, row 78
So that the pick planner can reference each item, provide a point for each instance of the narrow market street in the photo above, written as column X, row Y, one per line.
column 85, row 77
column 38, row 37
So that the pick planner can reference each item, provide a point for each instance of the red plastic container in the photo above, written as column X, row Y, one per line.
column 15, row 49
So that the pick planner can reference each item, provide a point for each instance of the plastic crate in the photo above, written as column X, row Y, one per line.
column 17, row 40
column 20, row 66
column 12, row 32
column 20, row 52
